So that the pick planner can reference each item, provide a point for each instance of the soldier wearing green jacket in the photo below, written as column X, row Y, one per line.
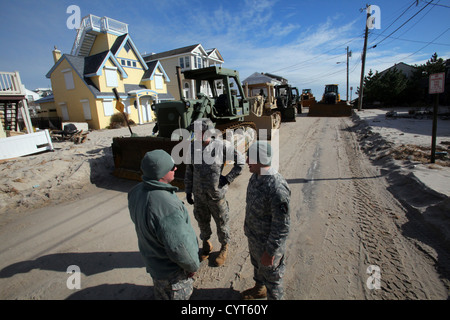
column 266, row 223
column 166, row 239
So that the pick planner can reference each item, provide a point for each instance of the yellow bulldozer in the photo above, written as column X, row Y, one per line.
column 263, row 106
column 331, row 104
column 307, row 98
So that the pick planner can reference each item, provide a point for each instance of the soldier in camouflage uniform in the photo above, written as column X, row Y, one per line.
column 266, row 223
column 205, row 181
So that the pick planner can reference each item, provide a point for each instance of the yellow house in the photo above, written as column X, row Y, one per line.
column 105, row 57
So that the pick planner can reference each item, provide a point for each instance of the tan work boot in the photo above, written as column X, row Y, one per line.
column 220, row 260
column 206, row 250
column 257, row 292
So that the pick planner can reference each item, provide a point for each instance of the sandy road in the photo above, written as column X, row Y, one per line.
column 343, row 220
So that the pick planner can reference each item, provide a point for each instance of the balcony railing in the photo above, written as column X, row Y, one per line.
column 97, row 24
column 10, row 84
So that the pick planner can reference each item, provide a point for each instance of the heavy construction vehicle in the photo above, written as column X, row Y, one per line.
column 226, row 108
column 288, row 100
column 307, row 98
column 264, row 111
column 331, row 104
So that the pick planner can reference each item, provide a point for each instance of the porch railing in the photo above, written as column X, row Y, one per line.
column 10, row 84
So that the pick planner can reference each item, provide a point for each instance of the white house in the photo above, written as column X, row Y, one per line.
column 188, row 58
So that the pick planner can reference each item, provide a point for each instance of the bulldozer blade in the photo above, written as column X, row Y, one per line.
column 340, row 109
column 129, row 151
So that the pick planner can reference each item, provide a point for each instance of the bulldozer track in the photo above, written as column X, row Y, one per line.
column 235, row 125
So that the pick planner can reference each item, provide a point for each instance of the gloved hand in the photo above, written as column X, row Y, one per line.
column 223, row 181
column 189, row 198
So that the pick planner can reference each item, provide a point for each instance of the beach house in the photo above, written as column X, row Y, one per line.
column 105, row 57
column 188, row 58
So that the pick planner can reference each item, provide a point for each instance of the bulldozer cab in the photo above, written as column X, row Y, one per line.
column 218, row 96
column 287, row 98
column 331, row 94
column 227, row 93
column 331, row 88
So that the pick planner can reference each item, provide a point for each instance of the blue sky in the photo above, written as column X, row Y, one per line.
column 299, row 40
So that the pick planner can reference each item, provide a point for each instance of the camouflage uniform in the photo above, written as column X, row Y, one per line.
column 179, row 287
column 202, row 180
column 267, row 226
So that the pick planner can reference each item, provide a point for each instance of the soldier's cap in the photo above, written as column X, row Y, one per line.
column 156, row 164
column 260, row 152
column 204, row 123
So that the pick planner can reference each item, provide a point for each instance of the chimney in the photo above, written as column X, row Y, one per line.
column 56, row 54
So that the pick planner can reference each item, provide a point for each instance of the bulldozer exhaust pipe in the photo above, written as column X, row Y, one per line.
column 180, row 87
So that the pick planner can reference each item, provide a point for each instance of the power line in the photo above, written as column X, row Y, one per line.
column 396, row 19
column 426, row 13
column 427, row 44
column 402, row 24
column 418, row 41
column 313, row 58
column 440, row 5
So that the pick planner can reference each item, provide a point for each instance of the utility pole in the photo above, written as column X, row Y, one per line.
column 363, row 59
column 349, row 54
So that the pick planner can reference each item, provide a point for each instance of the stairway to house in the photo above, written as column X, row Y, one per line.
column 90, row 27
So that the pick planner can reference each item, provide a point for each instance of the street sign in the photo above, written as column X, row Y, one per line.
column 120, row 106
column 436, row 84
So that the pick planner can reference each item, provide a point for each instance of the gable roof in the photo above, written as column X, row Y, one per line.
column 404, row 68
column 88, row 66
column 93, row 65
column 152, row 67
column 210, row 53
column 257, row 78
column 174, row 52
column 120, row 43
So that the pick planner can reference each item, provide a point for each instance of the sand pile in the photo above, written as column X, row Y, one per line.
column 38, row 180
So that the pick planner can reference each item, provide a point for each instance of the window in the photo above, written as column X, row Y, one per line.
column 129, row 63
column 68, row 78
column 127, row 46
column 187, row 61
column 182, row 63
column 123, row 62
column 199, row 62
column 64, row 111
column 134, row 64
column 108, row 108
column 111, row 76
column 86, row 109
column 158, row 81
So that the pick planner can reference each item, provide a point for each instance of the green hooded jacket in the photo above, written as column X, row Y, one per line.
column 167, row 241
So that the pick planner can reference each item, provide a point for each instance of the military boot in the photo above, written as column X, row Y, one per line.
column 259, row 291
column 206, row 250
column 220, row 260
